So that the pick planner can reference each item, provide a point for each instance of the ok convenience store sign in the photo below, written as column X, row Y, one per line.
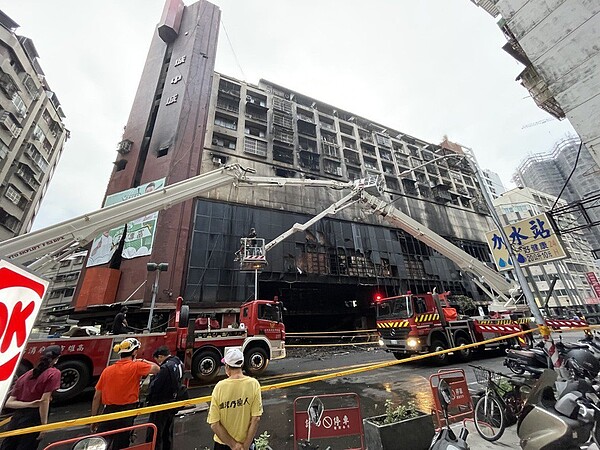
column 21, row 295
column 533, row 241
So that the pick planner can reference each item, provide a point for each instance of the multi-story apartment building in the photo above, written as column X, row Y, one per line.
column 32, row 133
column 63, row 276
column 557, row 42
column 572, row 287
column 187, row 119
column 551, row 172
column 493, row 183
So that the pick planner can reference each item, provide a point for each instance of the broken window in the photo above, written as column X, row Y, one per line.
column 368, row 149
column 308, row 145
column 305, row 115
column 307, row 128
column 255, row 130
column 383, row 140
column 347, row 143
column 388, row 169
column 346, row 129
column 309, row 161
column 351, row 157
column 282, row 154
column 327, row 123
column 371, row 163
column 392, row 184
column 230, row 88
column 332, row 167
column 386, row 155
column 225, row 122
column 223, row 141
column 354, row 174
column 227, row 104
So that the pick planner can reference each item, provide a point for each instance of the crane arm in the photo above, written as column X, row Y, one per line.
column 345, row 202
column 481, row 273
column 44, row 244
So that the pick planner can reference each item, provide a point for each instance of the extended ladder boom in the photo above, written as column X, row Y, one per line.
column 373, row 185
column 41, row 245
column 489, row 280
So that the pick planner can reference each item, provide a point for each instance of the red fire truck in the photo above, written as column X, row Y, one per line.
column 260, row 333
column 410, row 324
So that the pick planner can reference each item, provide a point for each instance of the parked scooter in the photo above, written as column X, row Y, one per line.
column 568, row 423
column 592, row 342
column 536, row 359
column 445, row 439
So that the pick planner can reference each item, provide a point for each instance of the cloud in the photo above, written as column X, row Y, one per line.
column 426, row 68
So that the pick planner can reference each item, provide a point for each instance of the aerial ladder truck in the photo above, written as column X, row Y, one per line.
column 38, row 248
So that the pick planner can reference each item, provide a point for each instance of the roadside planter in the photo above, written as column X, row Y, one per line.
column 402, row 428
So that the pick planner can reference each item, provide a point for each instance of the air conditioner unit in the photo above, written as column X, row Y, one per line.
column 249, row 99
column 217, row 161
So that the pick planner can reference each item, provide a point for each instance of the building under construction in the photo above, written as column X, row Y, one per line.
column 187, row 119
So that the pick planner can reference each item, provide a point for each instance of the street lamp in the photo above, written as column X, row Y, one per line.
column 158, row 268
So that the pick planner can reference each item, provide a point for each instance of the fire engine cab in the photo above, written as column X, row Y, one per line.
column 425, row 323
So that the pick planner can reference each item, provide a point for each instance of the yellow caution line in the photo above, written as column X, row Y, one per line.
column 317, row 336
column 330, row 332
column 5, row 421
column 282, row 385
column 330, row 345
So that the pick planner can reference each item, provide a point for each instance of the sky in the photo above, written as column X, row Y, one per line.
column 427, row 68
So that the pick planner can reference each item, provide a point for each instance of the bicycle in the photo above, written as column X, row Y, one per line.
column 500, row 404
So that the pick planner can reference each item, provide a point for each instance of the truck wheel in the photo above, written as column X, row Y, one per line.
column 205, row 365
column 256, row 361
column 400, row 355
column 436, row 346
column 74, row 378
column 464, row 355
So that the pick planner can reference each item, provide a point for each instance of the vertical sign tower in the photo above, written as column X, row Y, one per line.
column 162, row 144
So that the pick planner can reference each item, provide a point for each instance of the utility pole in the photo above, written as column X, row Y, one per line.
column 521, row 278
column 158, row 268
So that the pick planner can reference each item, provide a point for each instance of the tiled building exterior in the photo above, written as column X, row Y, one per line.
column 32, row 133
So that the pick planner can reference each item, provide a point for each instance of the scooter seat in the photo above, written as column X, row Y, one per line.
column 532, row 353
column 574, row 346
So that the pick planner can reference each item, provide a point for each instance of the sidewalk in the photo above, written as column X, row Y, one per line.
column 508, row 440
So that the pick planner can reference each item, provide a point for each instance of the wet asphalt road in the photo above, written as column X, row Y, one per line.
column 401, row 383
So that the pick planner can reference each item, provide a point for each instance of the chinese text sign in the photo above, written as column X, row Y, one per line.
column 594, row 283
column 140, row 232
column 533, row 241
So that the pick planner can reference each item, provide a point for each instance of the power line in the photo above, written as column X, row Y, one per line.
column 569, row 177
column 233, row 51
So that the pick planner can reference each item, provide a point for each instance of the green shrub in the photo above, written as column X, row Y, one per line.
column 262, row 441
column 400, row 412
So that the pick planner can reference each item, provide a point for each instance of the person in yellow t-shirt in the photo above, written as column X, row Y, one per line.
column 235, row 407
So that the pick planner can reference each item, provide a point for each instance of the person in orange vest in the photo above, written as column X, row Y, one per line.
column 118, row 389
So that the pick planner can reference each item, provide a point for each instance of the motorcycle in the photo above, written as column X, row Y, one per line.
column 445, row 439
column 568, row 423
column 536, row 359
column 592, row 342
